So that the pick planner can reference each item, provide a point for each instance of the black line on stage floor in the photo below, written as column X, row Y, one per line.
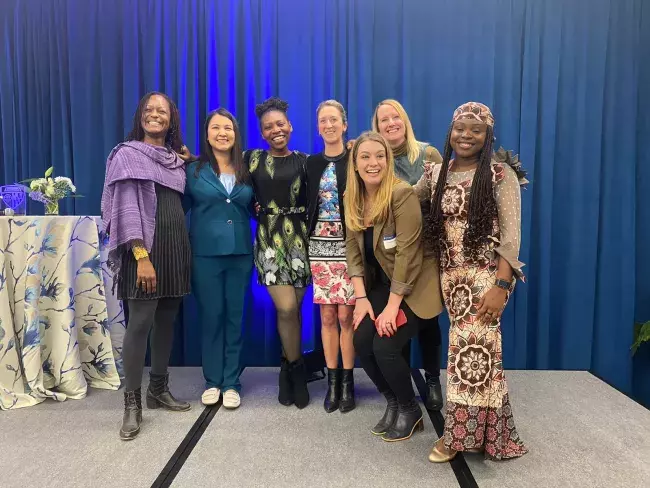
column 463, row 474
column 175, row 463
column 183, row 451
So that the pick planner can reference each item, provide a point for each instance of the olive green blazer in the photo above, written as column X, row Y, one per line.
column 398, row 248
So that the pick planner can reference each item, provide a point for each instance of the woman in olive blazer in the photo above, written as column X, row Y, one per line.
column 220, row 197
column 393, row 279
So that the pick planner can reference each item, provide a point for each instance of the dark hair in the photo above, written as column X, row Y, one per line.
column 270, row 104
column 173, row 138
column 482, row 205
column 236, row 158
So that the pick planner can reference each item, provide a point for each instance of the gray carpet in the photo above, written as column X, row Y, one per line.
column 76, row 443
column 580, row 433
column 264, row 444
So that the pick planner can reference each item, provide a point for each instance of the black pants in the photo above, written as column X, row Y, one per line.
column 382, row 358
column 143, row 314
column 430, row 340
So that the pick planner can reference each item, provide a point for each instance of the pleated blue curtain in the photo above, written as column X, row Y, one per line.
column 570, row 93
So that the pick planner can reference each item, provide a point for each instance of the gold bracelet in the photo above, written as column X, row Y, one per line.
column 139, row 252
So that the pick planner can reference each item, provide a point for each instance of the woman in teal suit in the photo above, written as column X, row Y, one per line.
column 220, row 197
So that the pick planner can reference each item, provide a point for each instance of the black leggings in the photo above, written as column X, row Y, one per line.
column 143, row 314
column 382, row 358
column 430, row 340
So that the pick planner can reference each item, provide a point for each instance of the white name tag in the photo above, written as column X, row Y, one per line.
column 390, row 242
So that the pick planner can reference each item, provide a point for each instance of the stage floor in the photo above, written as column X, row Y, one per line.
column 580, row 432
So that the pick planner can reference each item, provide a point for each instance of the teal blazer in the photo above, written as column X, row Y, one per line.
column 219, row 223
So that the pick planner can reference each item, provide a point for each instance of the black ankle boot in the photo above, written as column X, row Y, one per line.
column 333, row 390
column 159, row 396
column 285, row 395
column 347, row 403
column 409, row 420
column 434, row 392
column 132, row 415
column 389, row 415
column 298, row 375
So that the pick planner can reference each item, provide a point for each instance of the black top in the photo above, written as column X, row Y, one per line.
column 316, row 164
column 378, row 276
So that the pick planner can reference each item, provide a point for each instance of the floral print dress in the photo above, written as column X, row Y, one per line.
column 332, row 285
column 478, row 408
column 280, row 252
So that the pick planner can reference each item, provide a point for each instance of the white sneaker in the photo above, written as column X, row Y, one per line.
column 210, row 396
column 231, row 399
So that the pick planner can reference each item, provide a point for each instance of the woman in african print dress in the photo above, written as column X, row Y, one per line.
column 472, row 219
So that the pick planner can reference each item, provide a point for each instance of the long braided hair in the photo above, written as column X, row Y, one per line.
column 482, row 205
column 173, row 138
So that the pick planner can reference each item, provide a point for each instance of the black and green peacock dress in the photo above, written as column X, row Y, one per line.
column 281, row 247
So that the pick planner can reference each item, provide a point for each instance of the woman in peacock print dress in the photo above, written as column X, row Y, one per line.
column 281, row 243
column 473, row 223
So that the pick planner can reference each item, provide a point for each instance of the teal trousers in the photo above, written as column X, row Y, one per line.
column 219, row 284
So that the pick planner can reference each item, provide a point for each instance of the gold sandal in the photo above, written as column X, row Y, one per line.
column 440, row 457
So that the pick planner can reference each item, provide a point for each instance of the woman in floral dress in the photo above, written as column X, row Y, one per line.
column 473, row 224
column 280, row 254
column 333, row 290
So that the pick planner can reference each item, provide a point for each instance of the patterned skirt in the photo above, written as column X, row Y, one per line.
column 280, row 253
column 478, row 408
column 332, row 285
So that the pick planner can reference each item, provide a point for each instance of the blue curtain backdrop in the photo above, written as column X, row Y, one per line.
column 570, row 93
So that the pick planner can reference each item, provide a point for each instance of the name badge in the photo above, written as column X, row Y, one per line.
column 390, row 242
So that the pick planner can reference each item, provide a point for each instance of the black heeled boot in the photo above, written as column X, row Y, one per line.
column 132, row 415
column 285, row 395
column 347, row 403
column 389, row 415
column 298, row 375
column 333, row 390
column 434, row 392
column 408, row 421
column 159, row 396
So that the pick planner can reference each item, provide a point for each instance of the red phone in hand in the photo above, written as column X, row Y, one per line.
column 399, row 321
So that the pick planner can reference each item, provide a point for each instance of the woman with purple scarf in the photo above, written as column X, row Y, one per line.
column 149, row 248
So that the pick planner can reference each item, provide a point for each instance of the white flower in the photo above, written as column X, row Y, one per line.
column 296, row 264
column 269, row 278
column 269, row 253
column 64, row 184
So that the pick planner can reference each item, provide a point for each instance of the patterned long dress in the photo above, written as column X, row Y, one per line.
column 478, row 408
column 281, row 242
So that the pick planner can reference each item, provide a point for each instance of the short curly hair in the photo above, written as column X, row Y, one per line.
column 273, row 103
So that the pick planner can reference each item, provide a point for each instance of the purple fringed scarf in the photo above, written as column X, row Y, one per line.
column 129, row 197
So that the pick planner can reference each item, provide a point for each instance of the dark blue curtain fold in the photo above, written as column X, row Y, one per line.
column 570, row 93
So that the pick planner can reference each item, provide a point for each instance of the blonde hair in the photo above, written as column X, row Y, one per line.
column 412, row 144
column 353, row 198
column 337, row 105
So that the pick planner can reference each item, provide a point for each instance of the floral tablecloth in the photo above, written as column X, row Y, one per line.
column 61, row 329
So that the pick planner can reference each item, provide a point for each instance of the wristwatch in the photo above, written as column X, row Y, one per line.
column 503, row 284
